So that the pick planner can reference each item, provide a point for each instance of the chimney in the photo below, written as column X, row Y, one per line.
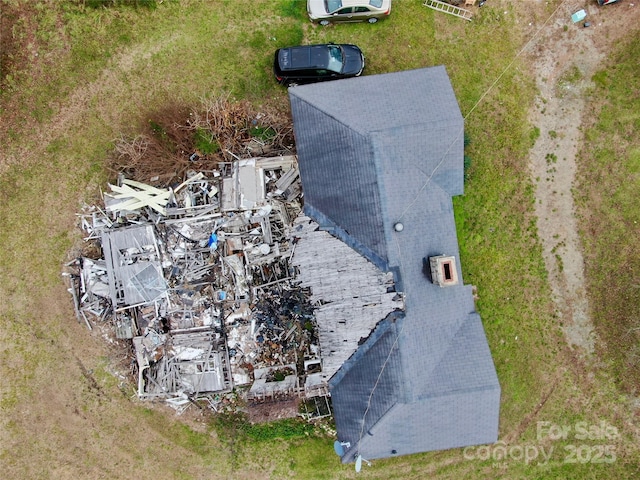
column 443, row 270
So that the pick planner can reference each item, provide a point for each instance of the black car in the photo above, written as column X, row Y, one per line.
column 316, row 63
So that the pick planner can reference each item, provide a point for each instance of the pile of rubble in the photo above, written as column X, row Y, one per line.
column 199, row 278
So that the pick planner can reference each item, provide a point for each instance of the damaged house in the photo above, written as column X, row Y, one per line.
column 352, row 291
column 403, row 350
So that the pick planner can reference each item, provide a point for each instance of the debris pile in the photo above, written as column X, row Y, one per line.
column 179, row 138
column 198, row 277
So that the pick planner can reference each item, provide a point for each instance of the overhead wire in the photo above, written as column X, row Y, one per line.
column 482, row 97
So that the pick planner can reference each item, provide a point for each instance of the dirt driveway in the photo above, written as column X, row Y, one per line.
column 564, row 58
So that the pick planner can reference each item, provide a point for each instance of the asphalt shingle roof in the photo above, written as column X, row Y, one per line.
column 375, row 151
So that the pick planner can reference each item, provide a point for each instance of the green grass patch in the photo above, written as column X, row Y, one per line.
column 282, row 429
column 262, row 133
column 204, row 142
column 609, row 200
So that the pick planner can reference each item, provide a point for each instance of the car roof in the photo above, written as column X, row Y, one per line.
column 308, row 56
column 354, row 3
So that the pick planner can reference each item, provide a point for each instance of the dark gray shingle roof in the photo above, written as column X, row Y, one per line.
column 374, row 151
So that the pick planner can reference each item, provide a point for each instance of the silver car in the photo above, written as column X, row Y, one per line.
column 325, row 12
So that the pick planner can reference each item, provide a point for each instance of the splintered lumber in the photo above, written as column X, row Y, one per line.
column 127, row 198
column 353, row 294
column 286, row 180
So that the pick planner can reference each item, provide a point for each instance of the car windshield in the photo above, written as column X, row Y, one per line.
column 333, row 5
column 376, row 3
column 335, row 59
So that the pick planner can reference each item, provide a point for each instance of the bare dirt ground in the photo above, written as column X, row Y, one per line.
column 269, row 412
column 564, row 58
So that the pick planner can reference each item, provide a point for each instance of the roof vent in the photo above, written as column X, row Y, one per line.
column 443, row 270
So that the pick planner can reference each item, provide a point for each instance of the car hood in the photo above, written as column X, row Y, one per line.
column 353, row 60
column 316, row 9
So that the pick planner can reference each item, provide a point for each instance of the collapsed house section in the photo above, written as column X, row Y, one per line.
column 187, row 362
column 352, row 294
column 199, row 278
column 133, row 267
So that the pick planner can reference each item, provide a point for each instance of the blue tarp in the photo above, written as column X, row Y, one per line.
column 579, row 15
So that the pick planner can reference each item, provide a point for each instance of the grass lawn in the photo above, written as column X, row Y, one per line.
column 609, row 199
column 82, row 76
